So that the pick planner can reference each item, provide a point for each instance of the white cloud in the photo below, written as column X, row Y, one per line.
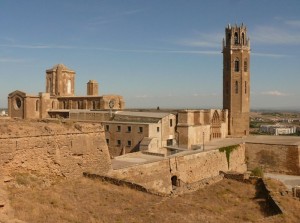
column 143, row 96
column 172, row 51
column 213, row 40
column 11, row 60
column 293, row 23
column 274, row 93
column 274, row 35
column 36, row 46
column 112, row 17
column 269, row 55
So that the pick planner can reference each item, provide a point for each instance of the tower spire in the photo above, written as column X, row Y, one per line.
column 236, row 79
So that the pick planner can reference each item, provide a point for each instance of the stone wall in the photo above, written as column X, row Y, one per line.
column 273, row 158
column 188, row 169
column 63, row 154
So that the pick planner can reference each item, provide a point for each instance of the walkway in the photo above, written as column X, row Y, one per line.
column 288, row 180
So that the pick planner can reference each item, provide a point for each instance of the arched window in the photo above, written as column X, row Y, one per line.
column 236, row 65
column 236, row 38
column 236, row 87
column 229, row 38
column 69, row 83
column 37, row 105
column 245, row 65
column 243, row 39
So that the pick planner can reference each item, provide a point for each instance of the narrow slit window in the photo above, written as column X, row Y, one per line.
column 236, row 87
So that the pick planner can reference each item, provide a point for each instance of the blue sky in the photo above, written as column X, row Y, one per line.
column 163, row 53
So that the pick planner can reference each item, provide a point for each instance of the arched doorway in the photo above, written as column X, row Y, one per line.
column 175, row 181
column 215, row 129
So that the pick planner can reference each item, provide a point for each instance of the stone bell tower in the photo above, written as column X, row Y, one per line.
column 236, row 79
column 60, row 81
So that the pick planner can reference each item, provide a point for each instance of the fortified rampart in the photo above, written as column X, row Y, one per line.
column 273, row 158
column 62, row 151
column 182, row 170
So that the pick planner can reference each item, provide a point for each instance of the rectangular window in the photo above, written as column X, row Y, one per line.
column 245, row 87
column 237, row 87
column 169, row 142
column 107, row 141
column 107, row 128
column 128, row 128
column 118, row 142
column 236, row 66
column 245, row 66
column 171, row 122
column 128, row 143
column 140, row 129
column 157, row 129
column 118, row 128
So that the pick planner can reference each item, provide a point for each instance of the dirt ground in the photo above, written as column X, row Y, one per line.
column 36, row 199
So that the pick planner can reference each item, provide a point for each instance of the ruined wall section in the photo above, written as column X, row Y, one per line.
column 284, row 159
column 68, row 154
column 188, row 169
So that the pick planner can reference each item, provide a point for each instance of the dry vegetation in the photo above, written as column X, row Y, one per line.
column 37, row 199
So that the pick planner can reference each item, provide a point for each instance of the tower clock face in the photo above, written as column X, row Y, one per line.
column 111, row 103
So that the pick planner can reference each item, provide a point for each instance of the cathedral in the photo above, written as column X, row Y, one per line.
column 60, row 97
column 150, row 131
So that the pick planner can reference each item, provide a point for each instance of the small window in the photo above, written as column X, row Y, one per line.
column 140, row 129
column 236, row 65
column 245, row 66
column 171, row 122
column 118, row 142
column 37, row 105
column 236, row 87
column 128, row 128
column 107, row 128
column 129, row 143
column 157, row 129
column 118, row 128
column 243, row 39
column 236, row 39
column 245, row 87
column 107, row 141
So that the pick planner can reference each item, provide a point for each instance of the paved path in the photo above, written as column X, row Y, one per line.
column 288, row 180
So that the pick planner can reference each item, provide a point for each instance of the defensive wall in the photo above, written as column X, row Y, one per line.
column 61, row 151
column 182, row 170
column 274, row 155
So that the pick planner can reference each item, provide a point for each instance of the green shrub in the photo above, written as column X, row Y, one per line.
column 258, row 172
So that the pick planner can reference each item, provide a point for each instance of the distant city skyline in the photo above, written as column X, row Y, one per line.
column 164, row 53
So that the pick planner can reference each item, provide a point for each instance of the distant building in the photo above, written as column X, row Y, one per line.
column 59, row 96
column 277, row 129
column 3, row 113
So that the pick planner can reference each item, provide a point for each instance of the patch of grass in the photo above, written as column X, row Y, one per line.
column 228, row 150
column 258, row 172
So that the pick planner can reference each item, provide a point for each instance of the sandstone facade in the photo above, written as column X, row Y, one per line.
column 59, row 97
column 67, row 153
column 236, row 79
column 273, row 158
column 186, row 169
